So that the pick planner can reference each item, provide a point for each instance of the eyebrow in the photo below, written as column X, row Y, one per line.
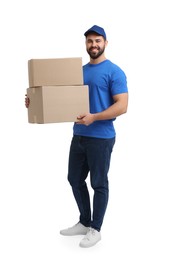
column 95, row 39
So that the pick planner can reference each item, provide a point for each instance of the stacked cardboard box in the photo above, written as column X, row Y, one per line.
column 56, row 90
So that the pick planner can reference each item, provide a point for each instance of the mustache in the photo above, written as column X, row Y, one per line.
column 94, row 48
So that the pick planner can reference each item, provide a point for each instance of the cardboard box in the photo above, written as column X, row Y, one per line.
column 55, row 72
column 51, row 104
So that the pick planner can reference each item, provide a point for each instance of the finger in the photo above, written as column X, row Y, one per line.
column 80, row 117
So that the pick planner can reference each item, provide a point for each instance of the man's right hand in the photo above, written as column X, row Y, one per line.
column 27, row 101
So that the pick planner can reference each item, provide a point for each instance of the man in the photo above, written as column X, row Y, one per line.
column 94, row 137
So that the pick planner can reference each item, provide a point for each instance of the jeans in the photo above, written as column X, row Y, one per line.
column 88, row 154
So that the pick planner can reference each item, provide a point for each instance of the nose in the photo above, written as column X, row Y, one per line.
column 93, row 44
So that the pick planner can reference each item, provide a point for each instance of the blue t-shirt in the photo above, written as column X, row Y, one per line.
column 105, row 80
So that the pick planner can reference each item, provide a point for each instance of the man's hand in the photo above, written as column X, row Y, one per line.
column 85, row 119
column 27, row 101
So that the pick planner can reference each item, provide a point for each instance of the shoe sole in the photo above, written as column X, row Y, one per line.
column 67, row 233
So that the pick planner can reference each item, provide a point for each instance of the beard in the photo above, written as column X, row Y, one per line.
column 95, row 53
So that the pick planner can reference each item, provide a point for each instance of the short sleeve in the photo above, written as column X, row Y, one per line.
column 118, row 82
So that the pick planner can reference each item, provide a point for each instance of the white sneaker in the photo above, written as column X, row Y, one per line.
column 78, row 229
column 92, row 237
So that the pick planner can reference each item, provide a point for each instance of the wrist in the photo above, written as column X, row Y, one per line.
column 95, row 117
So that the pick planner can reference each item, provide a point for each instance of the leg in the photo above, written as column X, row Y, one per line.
column 77, row 174
column 99, row 155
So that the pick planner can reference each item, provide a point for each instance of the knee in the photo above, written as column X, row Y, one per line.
column 70, row 180
column 73, row 181
column 100, row 186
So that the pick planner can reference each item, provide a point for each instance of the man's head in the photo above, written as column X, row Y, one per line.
column 97, row 30
column 95, row 42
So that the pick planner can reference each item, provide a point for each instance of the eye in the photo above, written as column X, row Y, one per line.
column 98, row 40
column 89, row 41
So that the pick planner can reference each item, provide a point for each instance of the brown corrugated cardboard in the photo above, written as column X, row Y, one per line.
column 54, row 72
column 51, row 104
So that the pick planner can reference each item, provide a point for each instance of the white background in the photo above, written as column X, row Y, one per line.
column 35, row 198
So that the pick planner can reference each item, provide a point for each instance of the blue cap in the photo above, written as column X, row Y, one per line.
column 96, row 29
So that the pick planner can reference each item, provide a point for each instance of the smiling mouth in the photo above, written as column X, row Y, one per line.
column 93, row 49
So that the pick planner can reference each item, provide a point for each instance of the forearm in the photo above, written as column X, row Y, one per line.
column 113, row 111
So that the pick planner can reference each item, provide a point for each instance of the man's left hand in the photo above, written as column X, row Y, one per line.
column 85, row 119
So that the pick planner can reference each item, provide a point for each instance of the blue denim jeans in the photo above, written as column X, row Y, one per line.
column 92, row 155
